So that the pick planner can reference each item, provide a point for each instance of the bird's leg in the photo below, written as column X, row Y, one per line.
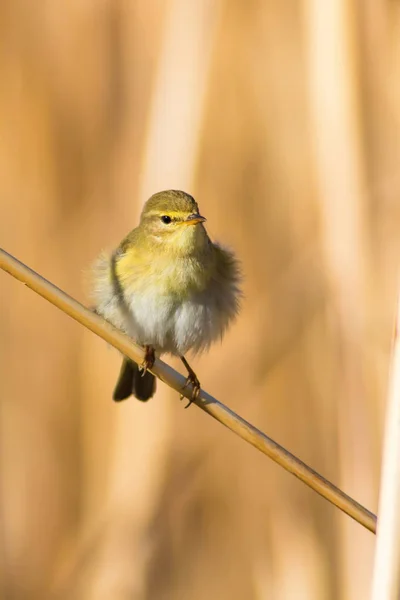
column 191, row 378
column 149, row 359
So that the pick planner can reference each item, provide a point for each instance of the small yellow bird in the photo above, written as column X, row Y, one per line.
column 169, row 287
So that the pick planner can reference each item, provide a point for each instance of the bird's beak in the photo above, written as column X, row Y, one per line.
column 193, row 219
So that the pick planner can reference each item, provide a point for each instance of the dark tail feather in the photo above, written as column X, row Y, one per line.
column 132, row 382
column 124, row 386
column 144, row 386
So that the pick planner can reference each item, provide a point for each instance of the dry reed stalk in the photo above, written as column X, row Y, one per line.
column 176, row 381
column 386, row 575
column 339, row 159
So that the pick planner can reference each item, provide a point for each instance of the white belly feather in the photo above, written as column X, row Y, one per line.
column 176, row 328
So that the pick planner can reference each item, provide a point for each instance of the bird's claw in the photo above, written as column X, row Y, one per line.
column 149, row 360
column 191, row 378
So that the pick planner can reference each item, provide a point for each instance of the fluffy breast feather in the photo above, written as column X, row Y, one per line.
column 174, row 306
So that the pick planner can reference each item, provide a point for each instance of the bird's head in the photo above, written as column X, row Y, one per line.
column 172, row 218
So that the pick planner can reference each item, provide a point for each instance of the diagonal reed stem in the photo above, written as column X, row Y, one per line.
column 175, row 380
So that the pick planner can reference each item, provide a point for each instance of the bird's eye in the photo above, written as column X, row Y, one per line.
column 166, row 219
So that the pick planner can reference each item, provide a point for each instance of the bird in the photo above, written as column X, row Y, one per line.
column 169, row 287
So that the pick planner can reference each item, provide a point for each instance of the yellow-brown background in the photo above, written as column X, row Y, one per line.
column 283, row 119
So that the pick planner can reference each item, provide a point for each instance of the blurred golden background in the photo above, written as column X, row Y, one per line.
column 283, row 120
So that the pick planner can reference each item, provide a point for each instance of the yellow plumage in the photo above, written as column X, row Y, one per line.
column 167, row 285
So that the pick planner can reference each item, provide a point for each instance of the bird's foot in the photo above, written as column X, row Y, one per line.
column 149, row 360
column 191, row 378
